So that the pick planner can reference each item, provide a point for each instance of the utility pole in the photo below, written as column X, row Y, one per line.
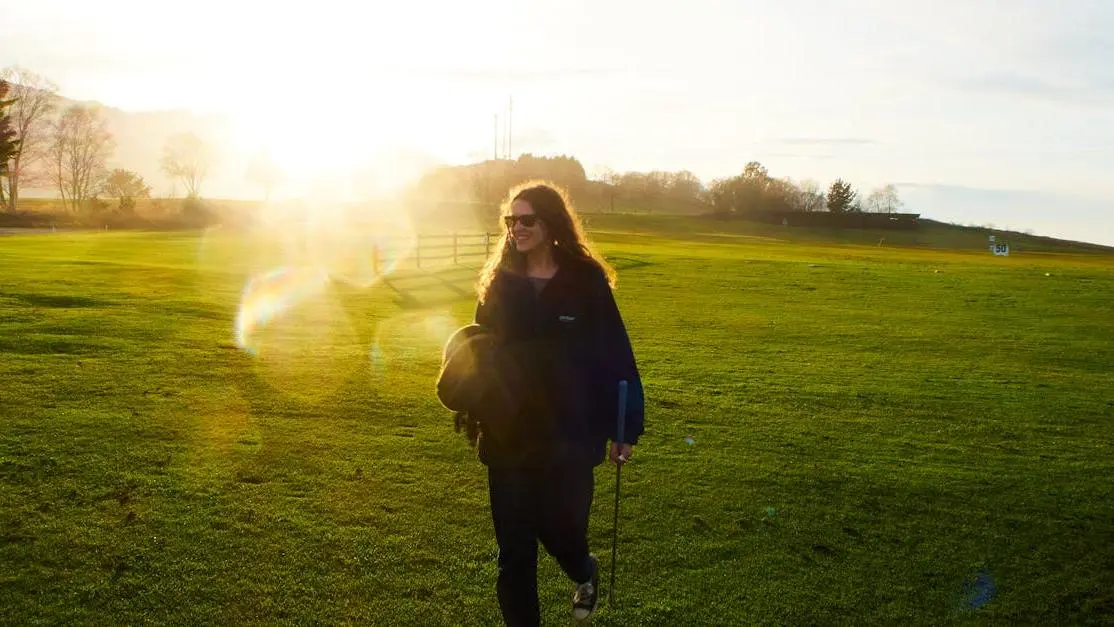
column 510, row 135
column 495, row 128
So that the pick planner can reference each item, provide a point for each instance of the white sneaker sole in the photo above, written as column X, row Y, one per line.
column 581, row 613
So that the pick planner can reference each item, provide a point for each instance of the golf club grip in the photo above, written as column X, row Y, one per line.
column 621, row 421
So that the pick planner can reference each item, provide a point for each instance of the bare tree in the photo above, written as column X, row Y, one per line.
column 812, row 196
column 80, row 144
column 884, row 200
column 35, row 99
column 601, row 173
column 187, row 158
column 685, row 185
column 782, row 195
column 609, row 179
column 265, row 172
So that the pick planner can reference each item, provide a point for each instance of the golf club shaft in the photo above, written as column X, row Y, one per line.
column 619, row 436
column 615, row 538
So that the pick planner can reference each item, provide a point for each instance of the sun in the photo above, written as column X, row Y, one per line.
column 323, row 154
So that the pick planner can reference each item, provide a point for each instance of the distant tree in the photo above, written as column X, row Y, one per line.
column 751, row 191
column 783, row 195
column 601, row 174
column 35, row 99
column 488, row 181
column 657, row 182
column 883, row 200
column 563, row 170
column 684, row 186
column 9, row 145
column 812, row 196
column 657, row 188
column 80, row 145
column 265, row 172
column 634, row 185
column 721, row 194
column 126, row 186
column 187, row 158
column 609, row 180
column 755, row 171
column 840, row 197
column 753, row 187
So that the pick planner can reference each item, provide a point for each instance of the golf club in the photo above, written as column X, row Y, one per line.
column 618, row 476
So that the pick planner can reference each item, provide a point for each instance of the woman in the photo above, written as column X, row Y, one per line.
column 547, row 298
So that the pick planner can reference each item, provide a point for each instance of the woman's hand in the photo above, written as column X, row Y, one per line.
column 620, row 452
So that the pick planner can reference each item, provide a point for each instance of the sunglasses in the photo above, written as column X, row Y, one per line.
column 528, row 220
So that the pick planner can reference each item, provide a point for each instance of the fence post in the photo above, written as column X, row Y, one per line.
column 454, row 248
column 375, row 259
column 487, row 244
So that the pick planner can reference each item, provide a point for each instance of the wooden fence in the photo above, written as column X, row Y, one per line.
column 456, row 247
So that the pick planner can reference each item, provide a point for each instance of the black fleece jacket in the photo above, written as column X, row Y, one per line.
column 572, row 349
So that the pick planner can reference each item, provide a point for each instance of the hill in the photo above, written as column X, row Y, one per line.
column 931, row 234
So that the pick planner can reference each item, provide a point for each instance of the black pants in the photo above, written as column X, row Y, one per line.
column 550, row 505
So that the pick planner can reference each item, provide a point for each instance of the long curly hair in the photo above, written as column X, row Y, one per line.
column 552, row 206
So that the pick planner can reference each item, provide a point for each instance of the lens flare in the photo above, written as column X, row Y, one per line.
column 269, row 295
column 408, row 345
column 376, row 362
column 294, row 323
column 356, row 244
column 293, row 316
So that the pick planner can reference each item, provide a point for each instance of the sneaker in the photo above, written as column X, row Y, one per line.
column 587, row 595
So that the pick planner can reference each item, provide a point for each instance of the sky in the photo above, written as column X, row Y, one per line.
column 988, row 112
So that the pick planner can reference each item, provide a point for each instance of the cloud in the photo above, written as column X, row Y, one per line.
column 822, row 141
column 503, row 76
column 812, row 148
column 1003, row 194
column 790, row 155
column 1096, row 92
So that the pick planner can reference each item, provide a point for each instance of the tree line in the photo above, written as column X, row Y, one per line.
column 68, row 149
column 752, row 191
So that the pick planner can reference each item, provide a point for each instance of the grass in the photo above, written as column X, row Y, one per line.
column 879, row 435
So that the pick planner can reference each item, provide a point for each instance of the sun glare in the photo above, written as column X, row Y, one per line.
column 325, row 159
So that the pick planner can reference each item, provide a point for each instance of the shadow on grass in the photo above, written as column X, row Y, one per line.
column 628, row 263
column 420, row 290
column 348, row 397
column 58, row 301
column 49, row 346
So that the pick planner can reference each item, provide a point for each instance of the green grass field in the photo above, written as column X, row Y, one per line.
column 878, row 435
